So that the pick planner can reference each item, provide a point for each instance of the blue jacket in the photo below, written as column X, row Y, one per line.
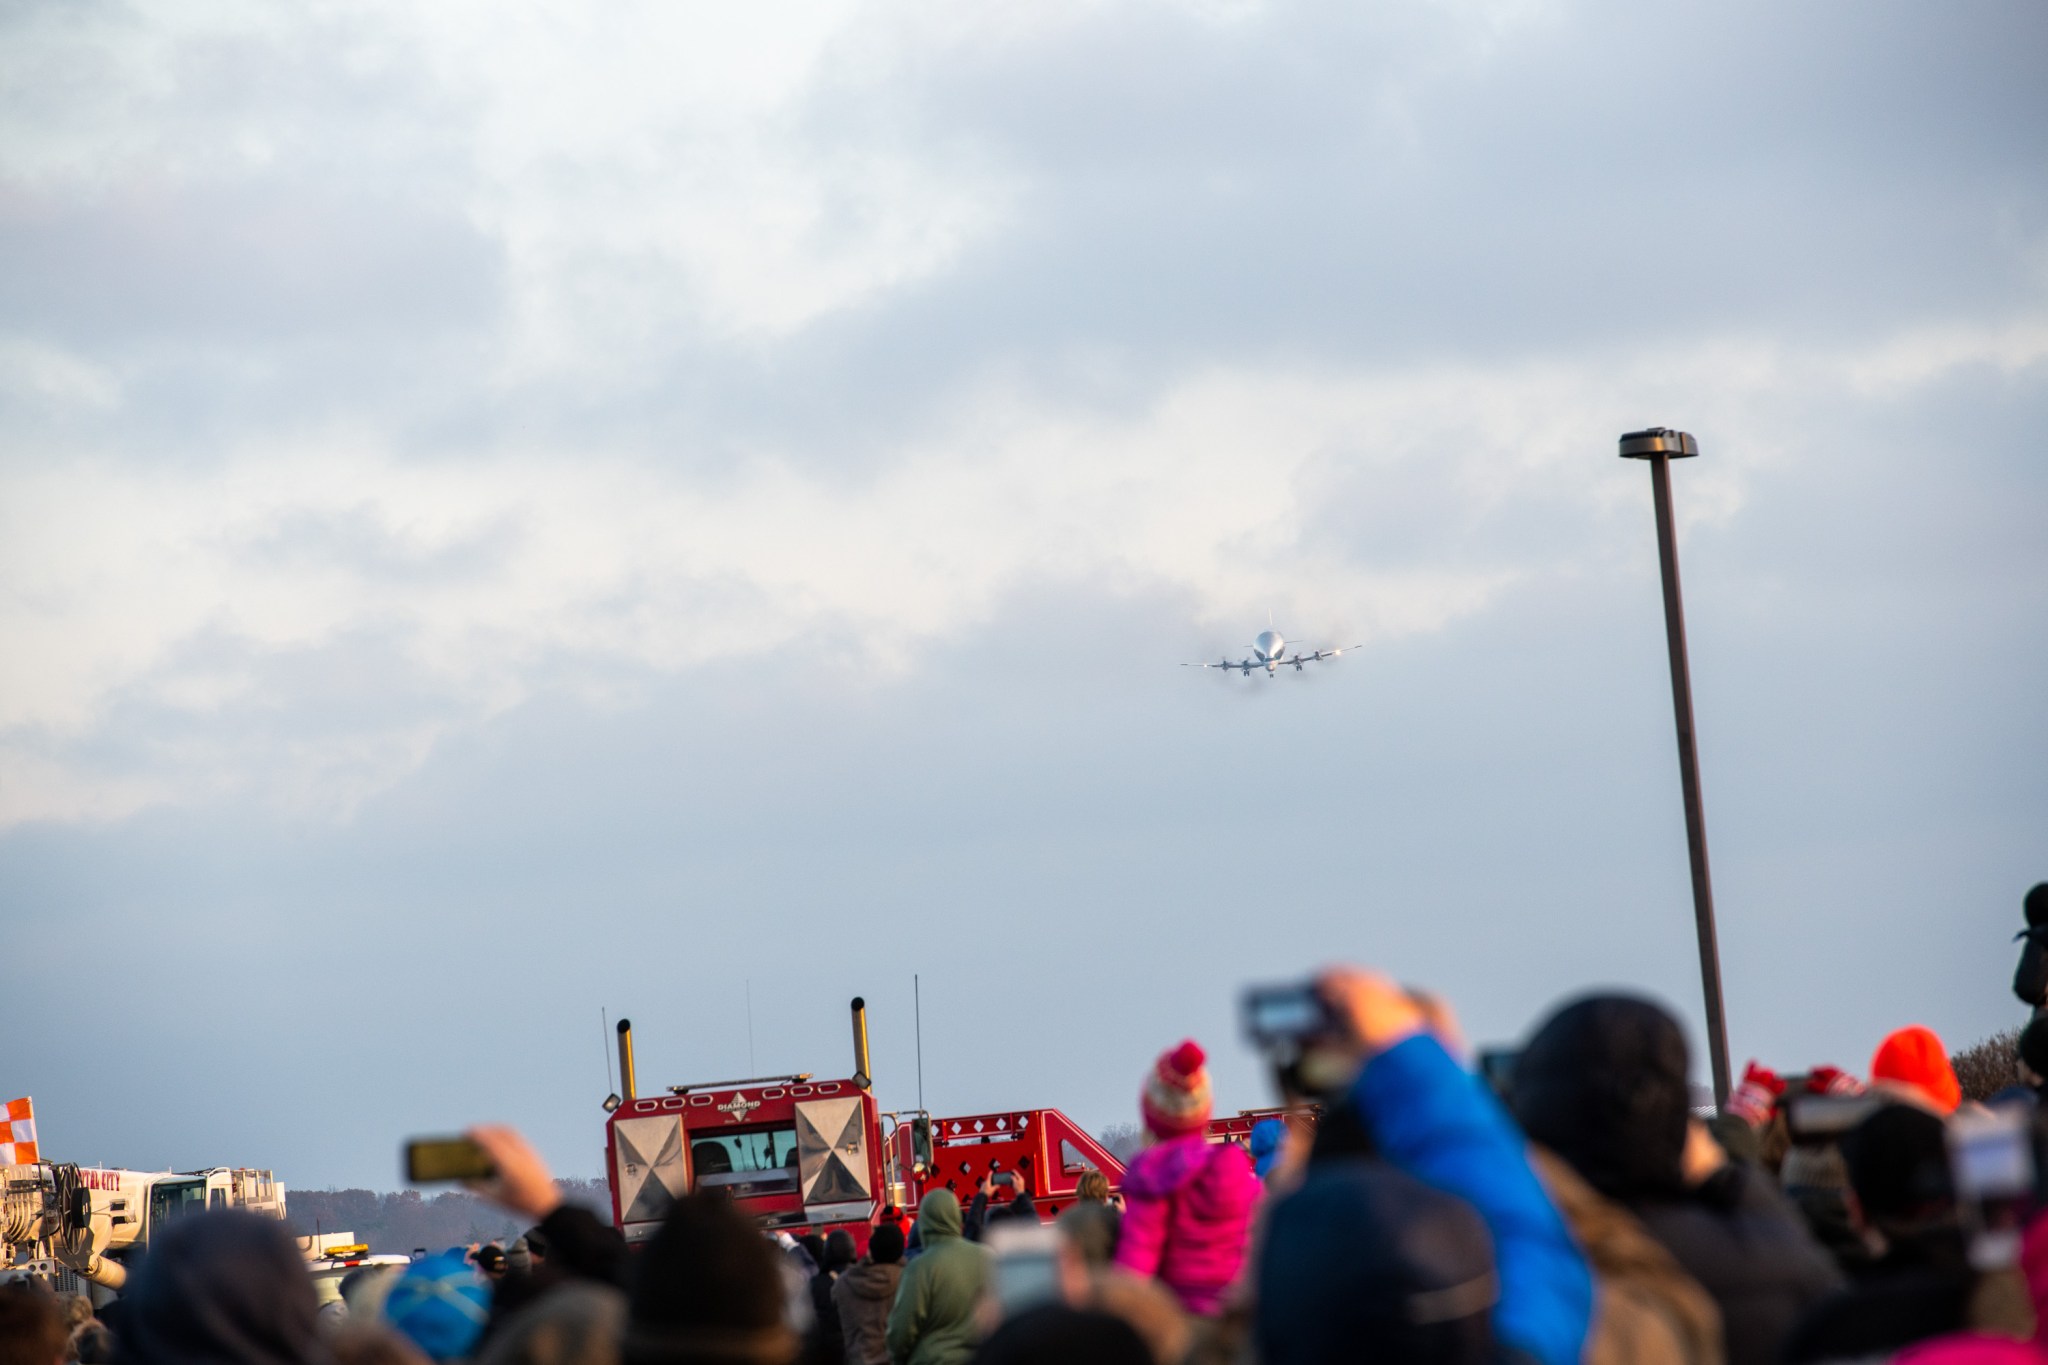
column 1431, row 1119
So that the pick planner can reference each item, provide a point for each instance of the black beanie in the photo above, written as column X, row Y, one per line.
column 1898, row 1165
column 1604, row 1084
column 708, row 1288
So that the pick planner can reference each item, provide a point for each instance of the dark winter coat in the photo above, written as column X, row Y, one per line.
column 1747, row 1248
column 933, row 1322
column 1921, row 1288
column 1436, row 1121
column 864, row 1295
column 1604, row 1085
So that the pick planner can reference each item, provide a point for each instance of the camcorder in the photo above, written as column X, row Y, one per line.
column 1816, row 1120
column 1301, row 1038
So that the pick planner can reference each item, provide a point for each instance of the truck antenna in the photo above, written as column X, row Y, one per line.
column 750, row 1023
column 917, row 1014
column 604, row 1045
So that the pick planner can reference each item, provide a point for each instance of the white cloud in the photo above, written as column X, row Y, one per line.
column 1237, row 491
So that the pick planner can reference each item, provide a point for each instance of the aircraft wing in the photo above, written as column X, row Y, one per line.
column 1318, row 655
column 1225, row 665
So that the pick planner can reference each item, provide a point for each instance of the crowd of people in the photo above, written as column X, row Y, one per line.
column 1575, row 1208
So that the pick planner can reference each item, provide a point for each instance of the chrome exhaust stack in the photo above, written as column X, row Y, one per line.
column 862, row 1077
column 628, row 1088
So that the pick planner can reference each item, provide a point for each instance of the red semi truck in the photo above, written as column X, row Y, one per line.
column 807, row 1155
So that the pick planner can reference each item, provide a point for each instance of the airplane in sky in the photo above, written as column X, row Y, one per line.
column 1269, row 652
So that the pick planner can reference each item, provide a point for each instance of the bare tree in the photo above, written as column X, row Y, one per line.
column 1986, row 1067
column 1122, row 1140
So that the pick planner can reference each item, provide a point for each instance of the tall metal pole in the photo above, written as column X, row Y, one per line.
column 1659, row 446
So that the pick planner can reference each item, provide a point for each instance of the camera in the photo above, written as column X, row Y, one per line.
column 1294, row 1026
column 1816, row 1120
column 1281, row 1016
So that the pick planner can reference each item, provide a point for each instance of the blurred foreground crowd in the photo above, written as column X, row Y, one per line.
column 1573, row 1208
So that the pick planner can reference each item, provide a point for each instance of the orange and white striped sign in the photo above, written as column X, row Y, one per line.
column 18, row 1133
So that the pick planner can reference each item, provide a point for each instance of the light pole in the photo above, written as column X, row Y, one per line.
column 1660, row 446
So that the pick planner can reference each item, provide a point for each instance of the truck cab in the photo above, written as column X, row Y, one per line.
column 798, row 1154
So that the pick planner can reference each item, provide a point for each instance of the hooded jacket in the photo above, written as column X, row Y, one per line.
column 864, row 1295
column 1187, row 1216
column 1439, row 1123
column 1604, row 1085
column 933, row 1322
column 223, row 1287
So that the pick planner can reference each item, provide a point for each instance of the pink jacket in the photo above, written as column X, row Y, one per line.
column 1187, row 1214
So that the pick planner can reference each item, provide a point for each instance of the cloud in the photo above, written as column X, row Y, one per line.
column 1408, row 499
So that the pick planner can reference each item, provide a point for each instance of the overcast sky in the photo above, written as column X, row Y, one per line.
column 514, row 512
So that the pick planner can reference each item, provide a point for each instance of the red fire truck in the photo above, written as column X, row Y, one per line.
column 809, row 1155
column 1301, row 1123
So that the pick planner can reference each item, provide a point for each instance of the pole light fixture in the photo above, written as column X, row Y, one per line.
column 1659, row 446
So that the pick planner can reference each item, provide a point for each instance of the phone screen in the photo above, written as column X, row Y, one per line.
column 1026, row 1264
column 1277, row 1013
column 1990, row 1154
column 428, row 1160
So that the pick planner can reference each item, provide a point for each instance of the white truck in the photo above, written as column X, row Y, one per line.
column 67, row 1224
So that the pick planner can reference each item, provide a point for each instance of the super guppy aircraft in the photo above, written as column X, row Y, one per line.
column 1269, row 652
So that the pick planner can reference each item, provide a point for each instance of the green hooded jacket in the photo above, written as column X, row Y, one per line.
column 933, row 1322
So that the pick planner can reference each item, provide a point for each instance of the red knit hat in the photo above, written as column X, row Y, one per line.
column 1176, row 1097
column 1915, row 1057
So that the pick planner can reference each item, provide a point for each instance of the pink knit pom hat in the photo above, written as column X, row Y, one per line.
column 1176, row 1099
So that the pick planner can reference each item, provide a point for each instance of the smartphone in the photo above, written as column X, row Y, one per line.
column 429, row 1160
column 1282, row 1015
column 1004, row 1178
column 1026, row 1263
column 1991, row 1159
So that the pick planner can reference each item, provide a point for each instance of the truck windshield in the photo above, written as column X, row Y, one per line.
column 760, row 1159
column 170, row 1198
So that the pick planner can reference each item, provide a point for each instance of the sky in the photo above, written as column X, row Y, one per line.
column 513, row 516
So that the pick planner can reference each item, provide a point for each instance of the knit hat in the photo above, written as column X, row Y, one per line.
column 439, row 1304
column 1268, row 1136
column 1603, row 1083
column 709, row 1290
column 1915, row 1058
column 1176, row 1099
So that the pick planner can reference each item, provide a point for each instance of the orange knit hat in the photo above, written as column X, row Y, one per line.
column 1914, row 1056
